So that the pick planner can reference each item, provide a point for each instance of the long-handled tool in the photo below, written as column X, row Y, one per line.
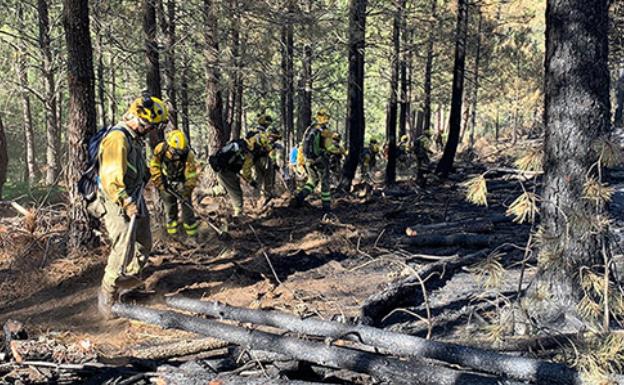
column 131, row 233
column 190, row 206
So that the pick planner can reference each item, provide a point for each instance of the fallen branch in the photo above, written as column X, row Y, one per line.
column 385, row 369
column 519, row 368
column 435, row 227
column 461, row 240
column 178, row 349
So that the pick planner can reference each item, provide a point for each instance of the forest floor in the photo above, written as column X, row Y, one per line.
column 293, row 260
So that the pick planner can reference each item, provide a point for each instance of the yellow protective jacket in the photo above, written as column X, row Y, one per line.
column 122, row 164
column 160, row 166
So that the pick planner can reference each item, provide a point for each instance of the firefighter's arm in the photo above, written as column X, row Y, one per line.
column 155, row 166
column 328, row 143
column 113, row 166
column 191, row 172
column 247, row 165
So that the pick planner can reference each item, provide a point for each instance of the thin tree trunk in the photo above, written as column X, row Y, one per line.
column 214, row 105
column 167, row 20
column 403, row 100
column 475, row 89
column 4, row 157
column 82, row 117
column 184, row 101
column 426, row 108
column 50, row 102
column 21, row 68
column 287, row 99
column 355, row 124
column 113, row 90
column 619, row 110
column 305, row 89
column 237, row 84
column 391, row 120
column 99, row 68
column 576, row 114
column 446, row 163
column 152, row 64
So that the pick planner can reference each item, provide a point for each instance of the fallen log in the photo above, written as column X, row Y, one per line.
column 494, row 219
column 461, row 239
column 385, row 369
column 178, row 349
column 408, row 292
column 519, row 368
column 479, row 227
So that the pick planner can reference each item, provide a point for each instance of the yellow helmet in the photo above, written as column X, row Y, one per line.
column 336, row 136
column 151, row 110
column 404, row 138
column 322, row 116
column 177, row 140
column 265, row 120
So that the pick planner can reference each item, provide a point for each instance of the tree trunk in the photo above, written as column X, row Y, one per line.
column 619, row 110
column 214, row 105
column 287, row 98
column 152, row 64
column 236, row 92
column 305, row 89
column 426, row 108
column 184, row 101
column 576, row 114
column 50, row 102
column 475, row 86
column 391, row 120
column 168, row 25
column 446, row 163
column 82, row 118
column 355, row 124
column 113, row 91
column 404, row 101
column 4, row 157
column 99, row 69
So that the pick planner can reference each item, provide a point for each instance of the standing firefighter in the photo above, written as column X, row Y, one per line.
column 122, row 175
column 368, row 159
column 174, row 172
column 234, row 158
column 317, row 146
column 261, row 143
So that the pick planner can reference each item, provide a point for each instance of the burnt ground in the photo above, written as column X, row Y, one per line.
column 325, row 267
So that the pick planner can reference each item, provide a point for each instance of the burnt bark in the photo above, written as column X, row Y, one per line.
column 214, row 105
column 426, row 106
column 383, row 368
column 475, row 85
column 236, row 89
column 619, row 99
column 287, row 68
column 152, row 61
column 53, row 137
column 391, row 118
column 445, row 165
column 305, row 87
column 167, row 19
column 355, row 124
column 519, row 368
column 82, row 117
column 576, row 114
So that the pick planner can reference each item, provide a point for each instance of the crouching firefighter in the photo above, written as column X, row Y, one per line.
column 173, row 170
column 116, row 177
column 233, row 158
column 317, row 146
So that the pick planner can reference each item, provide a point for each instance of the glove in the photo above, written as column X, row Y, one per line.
column 130, row 208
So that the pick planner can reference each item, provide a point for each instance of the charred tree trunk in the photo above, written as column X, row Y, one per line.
column 403, row 100
column 619, row 110
column 152, row 63
column 576, row 114
column 355, row 124
column 305, row 89
column 82, row 119
column 391, row 120
column 4, row 157
column 236, row 93
column 50, row 102
column 167, row 19
column 287, row 99
column 426, row 108
column 214, row 106
column 446, row 163
column 99, row 68
column 475, row 86
column 184, row 101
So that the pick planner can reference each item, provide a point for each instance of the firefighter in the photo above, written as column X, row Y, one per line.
column 261, row 142
column 173, row 170
column 316, row 148
column 232, row 162
column 335, row 160
column 368, row 159
column 122, row 174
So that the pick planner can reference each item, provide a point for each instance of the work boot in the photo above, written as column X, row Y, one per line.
column 326, row 207
column 298, row 200
column 128, row 282
column 106, row 299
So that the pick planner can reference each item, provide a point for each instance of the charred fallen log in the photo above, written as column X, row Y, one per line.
column 466, row 240
column 383, row 368
column 519, row 368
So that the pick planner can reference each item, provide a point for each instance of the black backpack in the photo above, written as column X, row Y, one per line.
column 230, row 157
column 312, row 142
column 88, row 182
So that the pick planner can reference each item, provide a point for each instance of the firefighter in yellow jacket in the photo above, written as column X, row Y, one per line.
column 173, row 170
column 123, row 173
